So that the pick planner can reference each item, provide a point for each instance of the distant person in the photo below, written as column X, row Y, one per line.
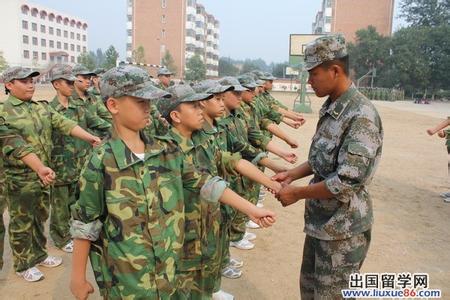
column 164, row 78
column 343, row 158
column 439, row 129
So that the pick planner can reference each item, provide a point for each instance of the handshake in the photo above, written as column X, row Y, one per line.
column 284, row 192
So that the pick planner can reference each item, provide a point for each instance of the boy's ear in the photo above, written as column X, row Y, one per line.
column 175, row 116
column 202, row 103
column 8, row 85
column 112, row 105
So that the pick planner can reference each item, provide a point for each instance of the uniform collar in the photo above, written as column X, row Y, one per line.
column 58, row 106
column 208, row 129
column 184, row 143
column 16, row 102
column 336, row 108
column 124, row 156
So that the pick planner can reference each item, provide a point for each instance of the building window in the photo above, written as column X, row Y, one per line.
column 58, row 45
column 43, row 43
column 72, row 47
column 72, row 35
column 84, row 38
column 25, row 10
column 42, row 28
column 66, row 33
column 51, row 44
column 163, row 19
column 58, row 19
column 328, row 3
column 50, row 30
column 66, row 46
column 78, row 48
column 35, row 55
column 58, row 32
column 164, row 3
column 35, row 41
column 72, row 59
column 24, row 25
column 163, row 33
column 44, row 56
column 34, row 12
column 129, row 47
column 78, row 37
column 34, row 26
column 26, row 54
column 25, row 39
column 84, row 49
column 328, row 20
column 51, row 17
column 129, row 32
column 129, row 18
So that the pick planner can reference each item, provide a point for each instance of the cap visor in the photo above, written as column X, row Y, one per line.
column 198, row 97
column 240, row 88
column 150, row 92
column 30, row 74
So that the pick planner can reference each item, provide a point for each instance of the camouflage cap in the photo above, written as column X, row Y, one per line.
column 258, row 74
column 247, row 82
column 211, row 87
column 61, row 71
column 181, row 93
column 164, row 71
column 267, row 76
column 81, row 70
column 260, row 82
column 324, row 49
column 18, row 73
column 99, row 71
column 129, row 81
column 229, row 80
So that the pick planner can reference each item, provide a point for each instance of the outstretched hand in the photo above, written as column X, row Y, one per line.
column 283, row 178
column 263, row 217
column 46, row 175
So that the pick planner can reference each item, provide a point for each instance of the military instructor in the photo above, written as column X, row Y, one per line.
column 343, row 157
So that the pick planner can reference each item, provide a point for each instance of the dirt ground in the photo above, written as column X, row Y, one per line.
column 411, row 220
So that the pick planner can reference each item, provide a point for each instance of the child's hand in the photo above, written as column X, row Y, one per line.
column 46, row 175
column 274, row 188
column 290, row 157
column 430, row 132
column 441, row 134
column 81, row 289
column 283, row 177
column 95, row 141
column 293, row 144
column 263, row 217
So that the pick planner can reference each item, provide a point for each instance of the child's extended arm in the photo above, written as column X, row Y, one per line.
column 440, row 126
column 79, row 286
column 275, row 130
column 287, row 156
column 275, row 167
column 46, row 174
column 247, row 169
column 82, row 134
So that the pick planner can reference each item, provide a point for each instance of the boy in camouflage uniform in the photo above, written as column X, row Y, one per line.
column 130, row 214
column 28, row 201
column 343, row 157
column 187, row 120
column 68, row 154
column 164, row 78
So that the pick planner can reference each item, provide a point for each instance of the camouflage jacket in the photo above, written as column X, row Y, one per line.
column 159, row 125
column 95, row 105
column 35, row 122
column 195, row 209
column 255, row 135
column 266, row 112
column 133, row 211
column 344, row 153
column 272, row 101
column 69, row 154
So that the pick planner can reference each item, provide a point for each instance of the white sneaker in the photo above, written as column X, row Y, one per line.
column 221, row 295
column 51, row 261
column 231, row 273
column 445, row 195
column 31, row 275
column 235, row 263
column 243, row 244
column 68, row 248
column 249, row 236
column 260, row 204
column 252, row 225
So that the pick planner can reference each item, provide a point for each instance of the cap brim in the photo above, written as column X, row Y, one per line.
column 260, row 82
column 197, row 97
column 29, row 74
column 220, row 89
column 69, row 78
column 310, row 66
column 150, row 92
column 240, row 88
column 85, row 73
column 251, row 86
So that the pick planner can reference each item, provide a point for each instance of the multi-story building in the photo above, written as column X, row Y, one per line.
column 38, row 37
column 183, row 28
column 349, row 16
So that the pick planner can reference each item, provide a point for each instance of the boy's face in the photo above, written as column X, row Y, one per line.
column 165, row 79
column 214, row 107
column 83, row 82
column 189, row 115
column 232, row 100
column 130, row 112
column 22, row 89
column 268, row 85
column 247, row 96
column 65, row 87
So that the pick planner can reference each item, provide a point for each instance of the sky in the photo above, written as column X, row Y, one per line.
column 249, row 29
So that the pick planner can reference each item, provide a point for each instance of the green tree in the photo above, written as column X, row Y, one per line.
column 111, row 56
column 195, row 69
column 99, row 58
column 3, row 63
column 138, row 55
column 87, row 60
column 168, row 62
column 279, row 70
column 227, row 67
column 426, row 12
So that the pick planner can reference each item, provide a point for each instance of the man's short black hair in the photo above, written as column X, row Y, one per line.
column 343, row 62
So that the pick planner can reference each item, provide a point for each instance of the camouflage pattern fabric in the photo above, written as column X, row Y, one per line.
column 3, row 204
column 17, row 73
column 133, row 212
column 325, row 48
column 95, row 106
column 327, row 265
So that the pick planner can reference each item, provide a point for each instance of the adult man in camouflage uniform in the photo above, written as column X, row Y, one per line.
column 93, row 103
column 164, row 78
column 68, row 154
column 343, row 158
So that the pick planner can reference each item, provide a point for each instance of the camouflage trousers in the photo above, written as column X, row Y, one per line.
column 62, row 197
column 28, row 210
column 3, row 203
column 327, row 265
column 238, row 226
column 191, row 286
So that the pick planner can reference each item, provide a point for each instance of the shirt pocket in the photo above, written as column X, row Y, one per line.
column 123, row 216
column 324, row 156
column 171, row 193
